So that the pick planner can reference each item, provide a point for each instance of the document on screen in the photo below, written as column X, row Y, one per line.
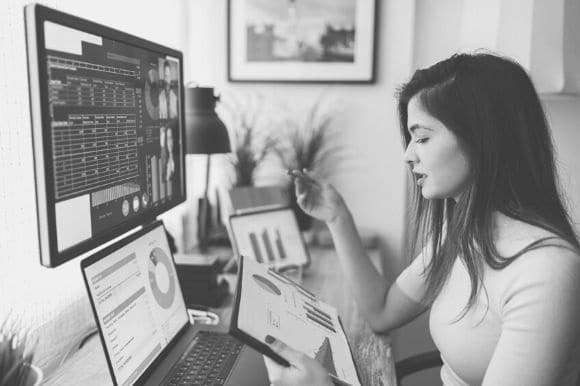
column 268, row 303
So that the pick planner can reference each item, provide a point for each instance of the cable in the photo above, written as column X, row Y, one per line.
column 78, row 344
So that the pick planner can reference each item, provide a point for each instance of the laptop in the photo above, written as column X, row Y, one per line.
column 144, row 326
column 269, row 236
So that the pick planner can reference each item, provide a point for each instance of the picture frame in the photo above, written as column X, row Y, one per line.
column 306, row 41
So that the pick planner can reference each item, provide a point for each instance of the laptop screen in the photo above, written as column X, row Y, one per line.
column 138, row 302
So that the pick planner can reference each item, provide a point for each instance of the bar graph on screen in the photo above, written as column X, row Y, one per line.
column 280, row 245
column 269, row 236
column 264, row 243
column 268, row 245
column 256, row 248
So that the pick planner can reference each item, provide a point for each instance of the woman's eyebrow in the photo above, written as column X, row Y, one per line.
column 417, row 126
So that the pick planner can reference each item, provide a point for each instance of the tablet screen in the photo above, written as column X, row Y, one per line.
column 268, row 303
column 271, row 237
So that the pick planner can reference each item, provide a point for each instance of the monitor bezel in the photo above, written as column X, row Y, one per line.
column 35, row 16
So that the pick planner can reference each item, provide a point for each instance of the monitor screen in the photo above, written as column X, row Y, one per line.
column 107, row 128
column 137, row 301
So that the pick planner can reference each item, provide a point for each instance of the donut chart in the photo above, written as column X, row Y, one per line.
column 163, row 298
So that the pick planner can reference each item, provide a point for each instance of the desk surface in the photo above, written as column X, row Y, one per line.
column 372, row 353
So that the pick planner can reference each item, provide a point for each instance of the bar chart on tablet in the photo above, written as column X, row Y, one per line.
column 270, row 237
column 267, row 248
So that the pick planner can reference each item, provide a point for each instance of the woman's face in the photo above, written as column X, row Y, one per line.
column 440, row 166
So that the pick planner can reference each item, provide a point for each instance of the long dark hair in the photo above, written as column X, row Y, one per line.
column 491, row 105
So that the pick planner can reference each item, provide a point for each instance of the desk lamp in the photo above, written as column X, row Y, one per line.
column 205, row 134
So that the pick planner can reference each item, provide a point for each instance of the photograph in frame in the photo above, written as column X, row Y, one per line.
column 322, row 41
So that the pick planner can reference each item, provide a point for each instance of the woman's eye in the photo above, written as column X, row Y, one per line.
column 421, row 140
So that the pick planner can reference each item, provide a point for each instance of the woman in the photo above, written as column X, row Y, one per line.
column 499, row 266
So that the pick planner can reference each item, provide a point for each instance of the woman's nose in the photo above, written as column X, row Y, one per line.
column 410, row 156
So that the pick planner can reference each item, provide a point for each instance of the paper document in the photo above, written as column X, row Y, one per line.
column 268, row 303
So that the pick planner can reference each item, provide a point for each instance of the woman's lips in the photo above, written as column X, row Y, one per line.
column 421, row 179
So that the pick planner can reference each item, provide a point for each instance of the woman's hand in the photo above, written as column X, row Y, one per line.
column 319, row 200
column 303, row 370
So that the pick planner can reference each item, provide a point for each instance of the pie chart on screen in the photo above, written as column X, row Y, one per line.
column 161, row 278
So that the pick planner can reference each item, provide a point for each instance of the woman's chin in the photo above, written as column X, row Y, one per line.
column 425, row 193
column 428, row 197
column 429, row 194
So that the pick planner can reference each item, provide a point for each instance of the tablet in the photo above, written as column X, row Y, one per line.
column 267, row 303
column 271, row 237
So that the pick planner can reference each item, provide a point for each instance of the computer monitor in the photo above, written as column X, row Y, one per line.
column 107, row 131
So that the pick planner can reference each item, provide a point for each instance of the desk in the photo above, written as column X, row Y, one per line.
column 372, row 353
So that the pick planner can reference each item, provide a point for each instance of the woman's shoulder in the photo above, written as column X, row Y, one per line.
column 551, row 257
column 546, row 274
column 511, row 236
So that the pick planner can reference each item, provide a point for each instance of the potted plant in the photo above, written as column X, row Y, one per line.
column 310, row 144
column 248, row 152
column 16, row 368
column 251, row 144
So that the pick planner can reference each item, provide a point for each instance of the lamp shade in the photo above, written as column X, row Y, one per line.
column 205, row 132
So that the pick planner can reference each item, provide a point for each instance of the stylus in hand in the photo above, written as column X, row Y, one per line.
column 303, row 370
column 318, row 199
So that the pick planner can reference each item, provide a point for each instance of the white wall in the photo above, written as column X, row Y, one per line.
column 437, row 36
column 563, row 113
column 373, row 177
column 28, row 291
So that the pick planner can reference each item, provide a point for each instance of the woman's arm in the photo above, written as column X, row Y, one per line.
column 384, row 305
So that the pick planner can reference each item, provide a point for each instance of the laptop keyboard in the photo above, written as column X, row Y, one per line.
column 209, row 361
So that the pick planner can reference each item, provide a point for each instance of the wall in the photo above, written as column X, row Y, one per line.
column 563, row 112
column 372, row 178
column 29, row 292
column 437, row 36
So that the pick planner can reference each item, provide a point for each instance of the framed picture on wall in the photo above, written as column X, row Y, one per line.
column 308, row 41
